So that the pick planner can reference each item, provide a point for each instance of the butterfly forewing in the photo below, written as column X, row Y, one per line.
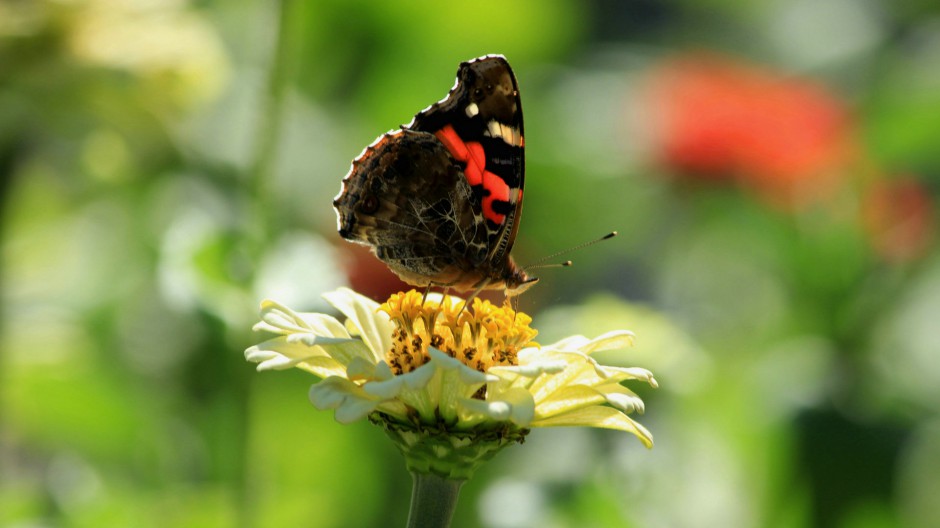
column 480, row 122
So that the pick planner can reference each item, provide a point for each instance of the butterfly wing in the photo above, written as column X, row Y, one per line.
column 480, row 124
column 408, row 198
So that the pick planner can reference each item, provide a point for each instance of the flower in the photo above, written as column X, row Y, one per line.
column 716, row 118
column 451, row 386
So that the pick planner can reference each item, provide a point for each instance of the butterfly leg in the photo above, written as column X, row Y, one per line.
column 444, row 295
column 473, row 296
column 427, row 290
column 513, row 303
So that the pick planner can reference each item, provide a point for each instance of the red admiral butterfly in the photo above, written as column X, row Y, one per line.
column 439, row 201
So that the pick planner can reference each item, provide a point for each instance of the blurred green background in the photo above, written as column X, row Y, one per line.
column 772, row 168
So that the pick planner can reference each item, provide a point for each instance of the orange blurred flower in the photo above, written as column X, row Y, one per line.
column 717, row 119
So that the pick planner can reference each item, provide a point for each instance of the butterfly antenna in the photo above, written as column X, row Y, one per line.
column 536, row 265
column 540, row 262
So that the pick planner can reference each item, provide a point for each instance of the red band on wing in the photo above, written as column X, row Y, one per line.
column 473, row 155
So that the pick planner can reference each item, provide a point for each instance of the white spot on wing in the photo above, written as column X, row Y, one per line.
column 495, row 129
column 472, row 109
column 505, row 132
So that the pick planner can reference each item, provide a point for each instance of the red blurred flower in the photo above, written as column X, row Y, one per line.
column 898, row 216
column 371, row 277
column 717, row 119
column 368, row 275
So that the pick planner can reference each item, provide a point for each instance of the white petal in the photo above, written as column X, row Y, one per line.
column 575, row 397
column 395, row 409
column 278, row 354
column 342, row 350
column 314, row 340
column 578, row 372
column 614, row 340
column 568, row 398
column 279, row 319
column 631, row 373
column 349, row 400
column 515, row 405
column 360, row 369
column 374, row 327
column 627, row 403
column 523, row 406
column 582, row 360
column 383, row 371
column 596, row 416
column 467, row 375
column 574, row 342
column 269, row 360
column 453, row 381
column 493, row 410
column 418, row 378
column 532, row 369
column 385, row 389
column 414, row 389
column 322, row 324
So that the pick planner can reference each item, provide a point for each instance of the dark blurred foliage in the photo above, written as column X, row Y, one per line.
column 771, row 166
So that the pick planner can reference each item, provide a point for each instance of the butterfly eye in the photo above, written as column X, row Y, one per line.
column 477, row 93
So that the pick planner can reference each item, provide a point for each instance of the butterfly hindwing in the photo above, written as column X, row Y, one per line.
column 410, row 201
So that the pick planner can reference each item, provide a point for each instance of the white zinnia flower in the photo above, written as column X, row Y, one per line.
column 450, row 386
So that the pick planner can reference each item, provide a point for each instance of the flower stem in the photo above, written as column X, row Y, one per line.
column 433, row 500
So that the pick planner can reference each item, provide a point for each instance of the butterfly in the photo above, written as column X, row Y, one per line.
column 439, row 200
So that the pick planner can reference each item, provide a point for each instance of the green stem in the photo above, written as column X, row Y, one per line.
column 433, row 501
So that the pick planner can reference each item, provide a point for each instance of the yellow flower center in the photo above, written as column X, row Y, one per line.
column 482, row 337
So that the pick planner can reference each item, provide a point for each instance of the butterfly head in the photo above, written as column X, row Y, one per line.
column 517, row 281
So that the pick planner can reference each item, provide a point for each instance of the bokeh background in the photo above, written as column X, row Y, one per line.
column 773, row 169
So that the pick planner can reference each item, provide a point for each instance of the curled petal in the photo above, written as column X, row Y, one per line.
column 316, row 340
column 278, row 354
column 515, row 405
column 383, row 371
column 568, row 399
column 613, row 340
column 385, row 389
column 415, row 390
column 342, row 350
column 603, row 417
column 348, row 399
column 453, row 381
column 619, row 374
column 360, row 369
column 373, row 327
column 492, row 410
column 279, row 319
column 467, row 375
column 627, row 403
column 532, row 369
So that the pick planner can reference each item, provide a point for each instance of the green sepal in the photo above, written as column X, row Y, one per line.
column 449, row 454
